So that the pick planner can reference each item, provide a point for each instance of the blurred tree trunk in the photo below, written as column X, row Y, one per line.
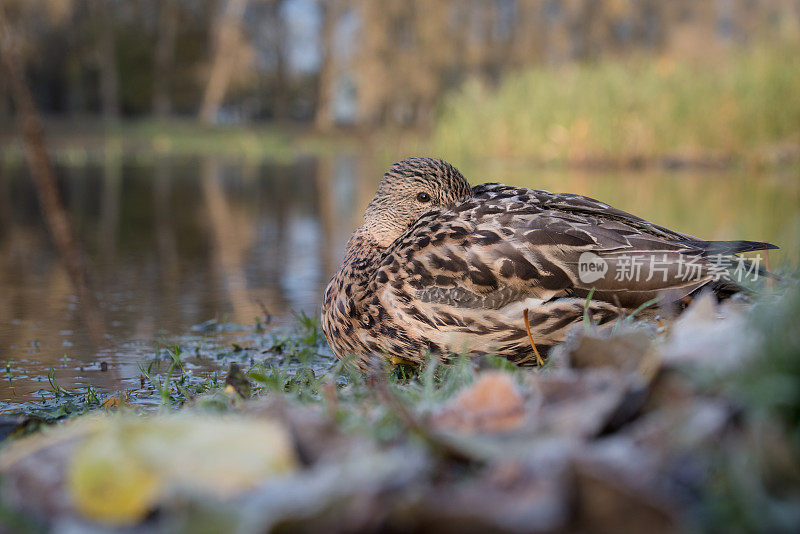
column 76, row 97
column 486, row 43
column 74, row 83
column 5, row 104
column 559, row 43
column 164, row 57
column 433, row 55
column 529, row 33
column 107, row 62
column 227, row 27
column 652, row 21
column 373, row 64
column 331, row 12
column 281, row 46
column 41, row 170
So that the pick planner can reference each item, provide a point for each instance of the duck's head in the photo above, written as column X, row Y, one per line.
column 409, row 189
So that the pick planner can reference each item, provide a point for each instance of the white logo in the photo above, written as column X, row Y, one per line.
column 591, row 267
column 632, row 268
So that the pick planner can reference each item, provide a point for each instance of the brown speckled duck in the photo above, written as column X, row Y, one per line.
column 440, row 267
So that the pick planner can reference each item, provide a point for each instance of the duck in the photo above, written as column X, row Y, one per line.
column 439, row 267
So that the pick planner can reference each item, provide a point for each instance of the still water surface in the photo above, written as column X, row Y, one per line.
column 173, row 243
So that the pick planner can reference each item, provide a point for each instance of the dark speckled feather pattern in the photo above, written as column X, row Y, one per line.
column 459, row 276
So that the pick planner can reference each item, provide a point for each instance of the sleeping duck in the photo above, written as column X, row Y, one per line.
column 439, row 267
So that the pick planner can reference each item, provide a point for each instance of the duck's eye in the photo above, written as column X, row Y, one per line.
column 422, row 196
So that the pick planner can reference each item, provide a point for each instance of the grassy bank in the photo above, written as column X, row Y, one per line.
column 78, row 140
column 741, row 106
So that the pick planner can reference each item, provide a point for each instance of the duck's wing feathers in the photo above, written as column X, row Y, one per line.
column 579, row 204
column 506, row 245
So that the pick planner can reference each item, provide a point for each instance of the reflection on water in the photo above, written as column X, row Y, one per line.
column 175, row 242
column 171, row 243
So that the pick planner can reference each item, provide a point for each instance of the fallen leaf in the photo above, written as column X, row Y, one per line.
column 126, row 464
column 111, row 402
column 492, row 404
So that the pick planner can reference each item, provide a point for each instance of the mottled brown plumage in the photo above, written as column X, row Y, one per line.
column 444, row 268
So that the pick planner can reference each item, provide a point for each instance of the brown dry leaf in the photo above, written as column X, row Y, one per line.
column 577, row 404
column 623, row 351
column 606, row 504
column 492, row 404
column 715, row 337
column 111, row 402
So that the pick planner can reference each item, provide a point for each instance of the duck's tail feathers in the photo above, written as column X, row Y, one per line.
column 730, row 248
column 727, row 247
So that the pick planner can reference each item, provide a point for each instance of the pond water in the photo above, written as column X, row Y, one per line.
column 173, row 243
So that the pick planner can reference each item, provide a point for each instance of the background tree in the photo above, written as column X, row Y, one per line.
column 227, row 39
column 166, row 35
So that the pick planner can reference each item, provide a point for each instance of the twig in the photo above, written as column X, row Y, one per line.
column 530, row 337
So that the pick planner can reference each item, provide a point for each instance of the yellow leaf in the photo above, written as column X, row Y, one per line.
column 108, row 487
column 128, row 464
